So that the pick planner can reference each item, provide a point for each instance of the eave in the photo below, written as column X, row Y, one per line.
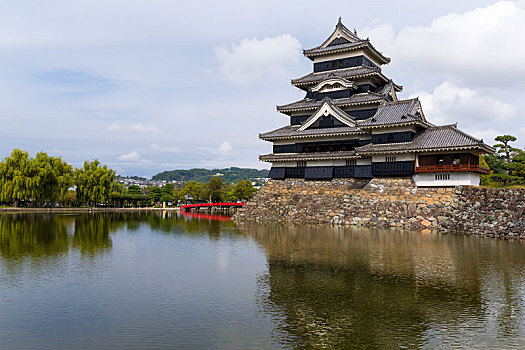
column 310, row 53
column 305, row 85
column 412, row 122
column 284, row 157
column 421, row 150
column 285, row 110
column 311, row 136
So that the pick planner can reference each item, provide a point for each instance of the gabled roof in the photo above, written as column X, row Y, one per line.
column 435, row 138
column 397, row 112
column 389, row 89
column 326, row 109
column 345, row 83
column 342, row 39
column 356, row 99
column 341, row 32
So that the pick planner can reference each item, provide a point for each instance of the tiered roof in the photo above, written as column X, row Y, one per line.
column 342, row 40
column 309, row 156
column 398, row 112
column 435, row 138
column 389, row 113
column 354, row 100
column 351, row 73
column 292, row 131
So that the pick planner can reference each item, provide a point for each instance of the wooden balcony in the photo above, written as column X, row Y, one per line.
column 451, row 168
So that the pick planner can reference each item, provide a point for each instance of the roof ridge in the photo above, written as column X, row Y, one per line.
column 455, row 127
column 410, row 100
column 348, row 31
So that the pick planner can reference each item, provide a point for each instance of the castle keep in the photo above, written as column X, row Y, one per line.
column 351, row 124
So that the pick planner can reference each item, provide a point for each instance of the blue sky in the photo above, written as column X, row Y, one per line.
column 146, row 86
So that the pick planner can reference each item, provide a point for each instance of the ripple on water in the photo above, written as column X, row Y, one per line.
column 141, row 280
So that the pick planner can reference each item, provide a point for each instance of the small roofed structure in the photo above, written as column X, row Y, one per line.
column 351, row 124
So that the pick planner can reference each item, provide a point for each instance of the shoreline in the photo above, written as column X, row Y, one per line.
column 80, row 210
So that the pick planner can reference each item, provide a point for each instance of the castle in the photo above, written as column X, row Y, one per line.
column 351, row 124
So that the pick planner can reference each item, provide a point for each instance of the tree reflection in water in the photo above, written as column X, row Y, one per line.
column 29, row 235
column 344, row 288
column 323, row 287
column 47, row 235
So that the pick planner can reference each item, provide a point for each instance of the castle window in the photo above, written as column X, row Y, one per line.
column 301, row 164
column 350, row 162
column 390, row 159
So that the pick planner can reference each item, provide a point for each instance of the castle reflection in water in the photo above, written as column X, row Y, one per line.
column 324, row 286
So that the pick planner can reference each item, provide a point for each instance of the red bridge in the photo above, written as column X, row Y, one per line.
column 209, row 206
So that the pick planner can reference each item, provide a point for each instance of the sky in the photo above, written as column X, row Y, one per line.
column 153, row 85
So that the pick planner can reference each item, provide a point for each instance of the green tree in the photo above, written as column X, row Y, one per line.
column 155, row 194
column 19, row 178
column 70, row 198
column 134, row 189
column 193, row 189
column 55, row 178
column 167, row 193
column 244, row 190
column 178, row 195
column 517, row 167
column 214, row 190
column 505, row 148
column 93, row 183
column 168, row 189
column 507, row 165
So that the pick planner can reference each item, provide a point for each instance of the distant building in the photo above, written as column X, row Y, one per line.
column 351, row 124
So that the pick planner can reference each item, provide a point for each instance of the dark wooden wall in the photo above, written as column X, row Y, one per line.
column 343, row 63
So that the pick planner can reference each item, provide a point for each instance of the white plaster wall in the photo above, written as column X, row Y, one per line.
column 320, row 163
column 456, row 179
column 365, row 161
column 289, row 164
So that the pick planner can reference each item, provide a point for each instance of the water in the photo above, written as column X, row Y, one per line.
column 162, row 281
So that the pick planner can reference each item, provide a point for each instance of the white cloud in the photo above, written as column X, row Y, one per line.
column 476, row 113
column 159, row 148
column 254, row 60
column 133, row 157
column 138, row 127
column 485, row 44
column 449, row 103
column 225, row 148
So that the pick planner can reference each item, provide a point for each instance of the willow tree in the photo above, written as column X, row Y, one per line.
column 56, row 177
column 93, row 183
column 19, row 178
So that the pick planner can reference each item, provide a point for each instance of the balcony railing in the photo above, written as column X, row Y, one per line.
column 451, row 167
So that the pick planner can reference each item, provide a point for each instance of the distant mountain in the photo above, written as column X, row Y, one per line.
column 229, row 175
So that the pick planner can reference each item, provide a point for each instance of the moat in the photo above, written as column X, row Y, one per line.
column 163, row 280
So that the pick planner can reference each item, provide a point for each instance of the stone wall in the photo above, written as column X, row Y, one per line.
column 389, row 202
